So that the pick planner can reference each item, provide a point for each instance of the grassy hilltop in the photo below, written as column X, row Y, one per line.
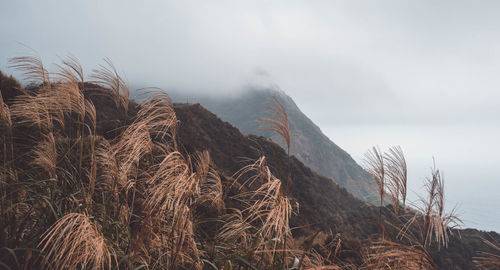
column 93, row 180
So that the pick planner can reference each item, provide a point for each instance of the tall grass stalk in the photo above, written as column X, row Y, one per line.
column 75, row 241
column 397, row 173
column 280, row 125
column 375, row 165
column 490, row 260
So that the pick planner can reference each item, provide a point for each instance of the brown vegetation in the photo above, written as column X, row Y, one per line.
column 133, row 200
column 489, row 259
column 91, row 180
column 425, row 226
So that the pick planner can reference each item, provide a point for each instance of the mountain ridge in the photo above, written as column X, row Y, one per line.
column 324, row 205
column 310, row 145
column 321, row 206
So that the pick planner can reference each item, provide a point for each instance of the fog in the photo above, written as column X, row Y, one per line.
column 422, row 74
column 467, row 155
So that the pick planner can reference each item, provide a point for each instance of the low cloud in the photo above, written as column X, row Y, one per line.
column 344, row 62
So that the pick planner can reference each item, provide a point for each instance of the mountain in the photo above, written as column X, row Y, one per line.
column 118, row 188
column 324, row 206
column 309, row 144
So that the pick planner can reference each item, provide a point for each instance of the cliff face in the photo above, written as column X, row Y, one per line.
column 309, row 144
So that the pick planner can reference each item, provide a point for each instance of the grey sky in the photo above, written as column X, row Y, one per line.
column 438, row 60
column 364, row 66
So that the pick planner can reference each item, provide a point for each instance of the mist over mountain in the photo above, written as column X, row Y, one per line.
column 422, row 144
column 309, row 144
column 177, row 170
column 404, row 69
column 391, row 100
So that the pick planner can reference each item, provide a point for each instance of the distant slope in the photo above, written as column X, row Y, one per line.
column 319, row 203
column 323, row 205
column 309, row 144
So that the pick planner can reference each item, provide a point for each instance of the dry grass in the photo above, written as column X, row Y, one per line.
column 70, row 70
column 32, row 68
column 268, row 213
column 210, row 183
column 157, row 113
column 109, row 173
column 140, row 195
column 488, row 259
column 74, row 241
column 107, row 76
column 134, row 144
column 387, row 254
column 137, row 199
column 397, row 173
column 27, row 110
column 46, row 156
column 154, row 120
column 430, row 223
column 374, row 165
column 172, row 186
column 436, row 223
column 274, row 209
column 70, row 98
column 280, row 124
column 48, row 107
column 5, row 119
column 91, row 115
column 316, row 262
column 171, row 196
column 236, row 230
column 257, row 171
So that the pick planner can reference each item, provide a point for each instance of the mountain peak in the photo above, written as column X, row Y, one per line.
column 309, row 144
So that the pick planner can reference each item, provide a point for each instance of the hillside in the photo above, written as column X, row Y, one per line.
column 120, row 191
column 310, row 145
column 324, row 205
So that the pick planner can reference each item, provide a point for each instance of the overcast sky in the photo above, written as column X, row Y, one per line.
column 423, row 74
